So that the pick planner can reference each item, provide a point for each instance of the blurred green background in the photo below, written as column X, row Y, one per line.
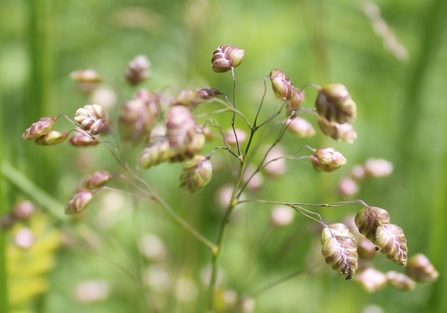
column 395, row 70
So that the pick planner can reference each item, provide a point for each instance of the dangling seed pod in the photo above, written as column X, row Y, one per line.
column 196, row 145
column 78, row 202
column 377, row 168
column 327, row 160
column 340, row 249
column 39, row 128
column 420, row 269
column 283, row 87
column 371, row 280
column 97, row 180
column 52, row 138
column 137, row 117
column 369, row 218
column 344, row 132
column 86, row 76
column 188, row 97
column 207, row 93
column 180, row 128
column 348, row 187
column 139, row 70
column 155, row 153
column 196, row 173
column 226, row 57
column 91, row 118
column 293, row 105
column 366, row 249
column 391, row 241
column 300, row 127
column 83, row 141
column 335, row 104
column 400, row 281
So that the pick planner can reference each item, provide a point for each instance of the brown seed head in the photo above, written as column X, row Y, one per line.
column 196, row 173
column 371, row 280
column 335, row 104
column 180, row 128
column 187, row 97
column 81, row 140
column 283, row 88
column 39, row 128
column 300, row 127
column 369, row 218
column 339, row 249
column 91, row 118
column 342, row 132
column 155, row 153
column 327, row 160
column 208, row 93
column 97, row 180
column 139, row 70
column 78, row 202
column 53, row 137
column 226, row 57
column 391, row 241
column 421, row 270
column 86, row 76
column 400, row 281
column 138, row 116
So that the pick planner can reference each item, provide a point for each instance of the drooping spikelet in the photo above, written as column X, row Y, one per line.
column 369, row 218
column 340, row 249
column 391, row 241
column 374, row 223
column 196, row 173
column 226, row 57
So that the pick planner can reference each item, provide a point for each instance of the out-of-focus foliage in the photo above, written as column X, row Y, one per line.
column 391, row 56
column 30, row 259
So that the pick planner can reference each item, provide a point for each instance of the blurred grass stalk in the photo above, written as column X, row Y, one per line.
column 41, row 34
column 4, row 303
column 433, row 30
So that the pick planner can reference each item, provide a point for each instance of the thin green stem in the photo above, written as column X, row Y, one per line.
column 278, row 282
column 262, row 164
column 262, row 102
column 16, row 177
column 233, row 119
column 234, row 201
column 228, row 108
column 171, row 212
column 185, row 225
column 295, row 204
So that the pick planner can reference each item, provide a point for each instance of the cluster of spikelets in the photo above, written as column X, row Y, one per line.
column 181, row 139
column 335, row 109
column 335, row 112
column 343, row 251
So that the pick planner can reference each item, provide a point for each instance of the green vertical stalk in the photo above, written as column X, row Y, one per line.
column 433, row 31
column 43, row 166
column 4, row 303
column 433, row 27
column 41, row 34
column 437, row 251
